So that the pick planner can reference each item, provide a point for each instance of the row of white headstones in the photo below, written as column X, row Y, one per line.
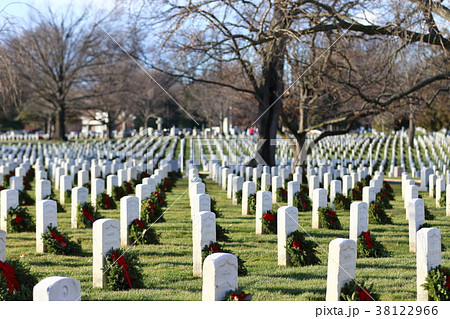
column 342, row 252
column 107, row 233
column 284, row 233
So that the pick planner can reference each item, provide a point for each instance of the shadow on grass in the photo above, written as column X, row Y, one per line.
column 296, row 275
column 295, row 291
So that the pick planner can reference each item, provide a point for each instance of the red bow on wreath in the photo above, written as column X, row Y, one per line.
column 121, row 262
column 269, row 217
column 363, row 294
column 213, row 248
column 332, row 216
column 239, row 297
column 139, row 223
column 18, row 219
column 368, row 239
column 298, row 245
column 88, row 215
column 58, row 238
column 152, row 207
column 107, row 201
column 8, row 274
column 159, row 197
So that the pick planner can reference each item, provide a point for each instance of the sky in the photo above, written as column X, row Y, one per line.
column 20, row 9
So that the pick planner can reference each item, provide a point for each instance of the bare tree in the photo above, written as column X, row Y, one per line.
column 256, row 35
column 53, row 56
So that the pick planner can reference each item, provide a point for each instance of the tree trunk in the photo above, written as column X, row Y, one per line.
column 270, row 91
column 411, row 129
column 300, row 138
column 60, row 125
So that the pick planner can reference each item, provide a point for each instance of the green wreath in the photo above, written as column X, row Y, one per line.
column 281, row 195
column 377, row 214
column 301, row 252
column 141, row 234
column 238, row 196
column 328, row 218
column 353, row 292
column 355, row 194
column 26, row 184
column 269, row 222
column 118, row 193
column 341, row 202
column 16, row 281
column 443, row 199
column 437, row 284
column 221, row 233
column 368, row 246
column 302, row 201
column 87, row 215
column 237, row 295
column 151, row 212
column 159, row 198
column 59, row 243
column 19, row 220
column 123, row 270
column 252, row 204
column 104, row 201
column 67, row 196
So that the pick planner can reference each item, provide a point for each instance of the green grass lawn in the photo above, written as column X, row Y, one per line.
column 168, row 267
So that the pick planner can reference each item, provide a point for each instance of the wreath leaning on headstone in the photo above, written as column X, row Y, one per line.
column 377, row 214
column 104, row 201
column 159, row 198
column 151, row 212
column 19, row 220
column 341, row 202
column 221, row 233
column 281, row 195
column 302, row 201
column 328, row 218
column 368, row 246
column 68, row 196
column 87, row 215
column 59, row 243
column 16, row 281
column 252, row 204
column 437, row 284
column 6, row 179
column 383, row 200
column 238, row 196
column 127, row 188
column 26, row 184
column 123, row 270
column 443, row 199
column 357, row 292
column 355, row 194
column 141, row 234
column 269, row 222
column 118, row 193
column 215, row 247
column 301, row 252
column 237, row 295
